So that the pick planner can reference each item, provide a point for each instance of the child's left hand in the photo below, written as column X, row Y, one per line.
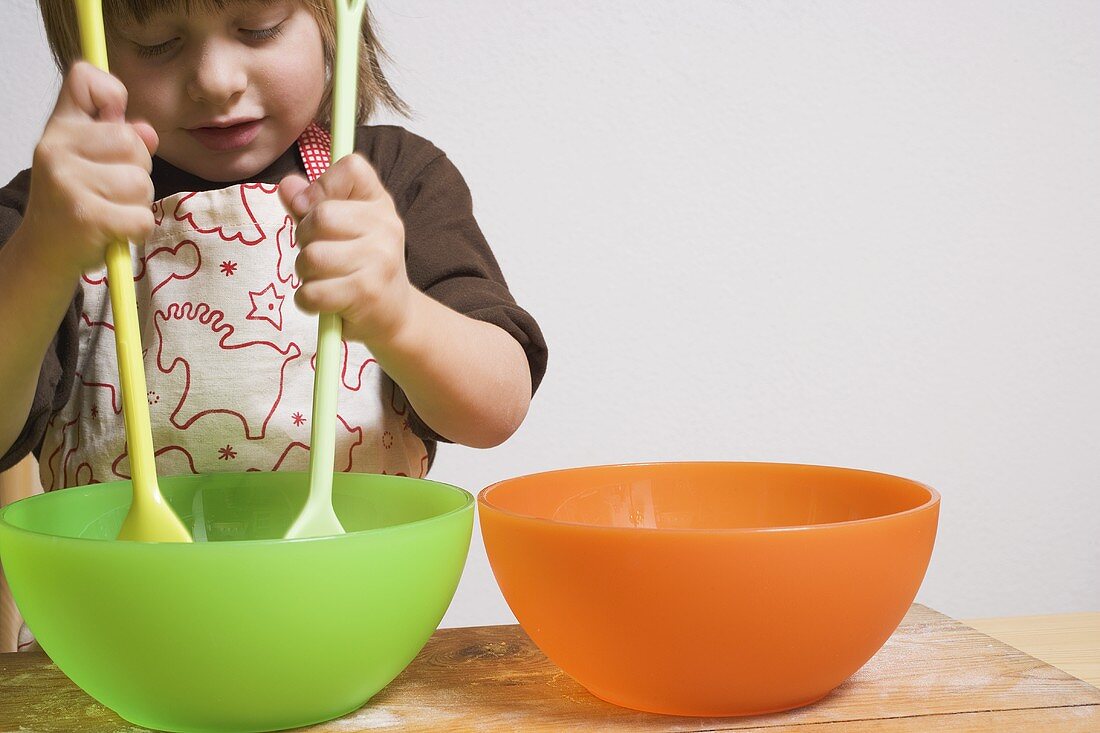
column 351, row 250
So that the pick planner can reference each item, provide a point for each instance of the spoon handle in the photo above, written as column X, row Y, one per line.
column 322, row 455
column 120, row 283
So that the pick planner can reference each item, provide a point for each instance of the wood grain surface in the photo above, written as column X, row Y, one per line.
column 934, row 674
column 1069, row 641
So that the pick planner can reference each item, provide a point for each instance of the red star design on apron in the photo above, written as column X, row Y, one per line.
column 267, row 305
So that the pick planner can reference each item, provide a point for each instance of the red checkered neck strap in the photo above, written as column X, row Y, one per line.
column 315, row 145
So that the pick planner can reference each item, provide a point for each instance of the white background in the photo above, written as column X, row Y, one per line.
column 849, row 233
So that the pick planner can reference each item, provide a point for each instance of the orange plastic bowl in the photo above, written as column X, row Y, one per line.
column 710, row 589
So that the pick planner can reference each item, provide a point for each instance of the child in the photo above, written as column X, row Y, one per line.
column 207, row 143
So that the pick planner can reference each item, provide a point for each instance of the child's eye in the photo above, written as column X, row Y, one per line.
column 263, row 34
column 157, row 50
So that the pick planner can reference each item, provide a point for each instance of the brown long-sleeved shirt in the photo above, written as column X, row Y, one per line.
column 446, row 257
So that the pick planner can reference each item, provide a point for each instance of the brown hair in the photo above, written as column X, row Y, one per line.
column 59, row 18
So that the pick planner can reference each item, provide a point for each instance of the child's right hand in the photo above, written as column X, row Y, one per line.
column 90, row 181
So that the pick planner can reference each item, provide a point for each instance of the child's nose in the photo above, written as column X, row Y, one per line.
column 218, row 76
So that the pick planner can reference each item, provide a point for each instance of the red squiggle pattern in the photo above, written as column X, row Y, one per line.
column 166, row 449
column 213, row 320
column 344, row 368
column 287, row 245
column 116, row 396
column 176, row 262
column 249, row 233
column 285, row 453
column 55, row 465
column 351, row 448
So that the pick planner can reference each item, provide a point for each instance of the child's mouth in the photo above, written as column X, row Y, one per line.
column 221, row 139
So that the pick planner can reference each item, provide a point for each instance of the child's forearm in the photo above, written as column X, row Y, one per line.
column 467, row 379
column 33, row 299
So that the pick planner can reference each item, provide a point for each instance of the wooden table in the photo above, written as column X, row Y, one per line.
column 1068, row 641
column 934, row 674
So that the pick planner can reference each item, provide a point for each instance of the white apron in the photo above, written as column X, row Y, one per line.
column 228, row 356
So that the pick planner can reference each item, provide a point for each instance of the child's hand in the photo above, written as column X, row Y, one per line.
column 351, row 254
column 90, row 180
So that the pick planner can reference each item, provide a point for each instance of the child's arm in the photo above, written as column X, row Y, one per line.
column 89, row 185
column 468, row 380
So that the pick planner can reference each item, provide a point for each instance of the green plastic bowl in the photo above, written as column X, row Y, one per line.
column 245, row 631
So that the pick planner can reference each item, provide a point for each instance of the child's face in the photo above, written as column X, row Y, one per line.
column 256, row 66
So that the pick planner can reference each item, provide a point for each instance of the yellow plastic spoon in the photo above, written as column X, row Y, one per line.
column 318, row 518
column 150, row 518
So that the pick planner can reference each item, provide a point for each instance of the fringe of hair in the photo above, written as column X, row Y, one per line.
column 59, row 19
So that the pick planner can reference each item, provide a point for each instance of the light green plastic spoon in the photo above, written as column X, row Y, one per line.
column 150, row 518
column 318, row 518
